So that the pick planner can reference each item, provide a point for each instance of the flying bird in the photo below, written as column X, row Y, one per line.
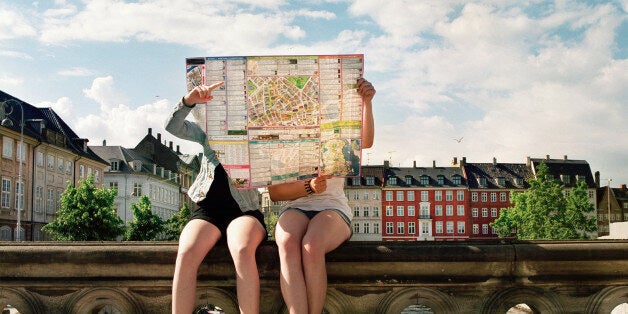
column 458, row 139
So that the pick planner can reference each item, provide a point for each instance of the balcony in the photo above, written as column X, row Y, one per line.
column 364, row 277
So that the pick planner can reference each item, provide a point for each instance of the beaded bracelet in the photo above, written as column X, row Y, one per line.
column 308, row 188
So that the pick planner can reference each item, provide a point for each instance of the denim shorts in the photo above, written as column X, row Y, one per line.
column 311, row 213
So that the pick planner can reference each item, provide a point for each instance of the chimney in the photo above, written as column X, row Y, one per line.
column 463, row 161
column 104, row 142
column 414, row 163
column 170, row 145
column 565, row 157
column 454, row 161
column 433, row 163
column 494, row 161
column 596, row 176
column 159, row 137
column 528, row 161
column 547, row 157
column 623, row 186
column 178, row 151
column 150, row 131
column 386, row 164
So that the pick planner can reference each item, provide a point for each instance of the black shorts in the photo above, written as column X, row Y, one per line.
column 219, row 208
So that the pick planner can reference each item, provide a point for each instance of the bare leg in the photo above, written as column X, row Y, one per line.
column 197, row 238
column 244, row 235
column 326, row 232
column 288, row 235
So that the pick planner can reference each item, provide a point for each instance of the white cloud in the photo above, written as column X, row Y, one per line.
column 76, row 72
column 6, row 80
column 62, row 106
column 105, row 94
column 15, row 54
column 14, row 25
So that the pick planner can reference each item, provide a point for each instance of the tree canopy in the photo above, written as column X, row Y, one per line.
column 545, row 212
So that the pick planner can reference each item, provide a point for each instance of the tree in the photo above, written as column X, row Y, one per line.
column 145, row 226
column 544, row 212
column 175, row 224
column 86, row 214
column 271, row 221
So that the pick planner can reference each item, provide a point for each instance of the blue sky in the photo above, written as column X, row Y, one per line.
column 511, row 78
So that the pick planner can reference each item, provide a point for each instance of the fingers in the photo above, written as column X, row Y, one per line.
column 204, row 93
column 365, row 88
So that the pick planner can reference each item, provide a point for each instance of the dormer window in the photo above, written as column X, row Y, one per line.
column 370, row 180
column 482, row 181
column 114, row 165
column 501, row 181
column 441, row 179
column 409, row 180
column 392, row 181
column 457, row 179
column 355, row 181
column 519, row 181
column 565, row 178
column 425, row 180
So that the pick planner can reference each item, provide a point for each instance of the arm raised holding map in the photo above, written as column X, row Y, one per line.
column 315, row 221
column 224, row 213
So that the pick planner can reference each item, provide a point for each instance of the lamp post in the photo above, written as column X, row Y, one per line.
column 7, row 122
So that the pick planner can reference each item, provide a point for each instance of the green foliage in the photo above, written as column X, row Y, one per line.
column 86, row 214
column 544, row 212
column 175, row 224
column 146, row 226
column 271, row 221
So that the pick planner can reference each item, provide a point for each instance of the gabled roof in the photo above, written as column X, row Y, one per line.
column 432, row 173
column 35, row 118
column 511, row 173
column 562, row 167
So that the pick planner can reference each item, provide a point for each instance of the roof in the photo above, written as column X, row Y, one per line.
column 567, row 167
column 511, row 173
column 432, row 173
column 39, row 121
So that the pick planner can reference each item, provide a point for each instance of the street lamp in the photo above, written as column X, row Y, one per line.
column 7, row 122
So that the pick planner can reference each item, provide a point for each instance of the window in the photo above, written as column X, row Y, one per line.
column 440, row 179
column 474, row 196
column 425, row 180
column 370, row 180
column 460, row 226
column 484, row 212
column 411, row 211
column 400, row 228
column 115, row 165
column 50, row 201
column 81, row 171
column 493, row 212
column 482, row 181
column 365, row 196
column 21, row 152
column 392, row 180
column 411, row 196
column 367, row 228
column 39, row 159
column 39, row 199
column 68, row 167
column 356, row 227
column 474, row 212
column 365, row 211
column 389, row 196
column 439, row 227
column 425, row 196
column 6, row 193
column 97, row 176
column 450, row 227
column 389, row 228
column 7, row 147
column 425, row 211
column 89, row 170
column 375, row 211
column 484, row 197
column 355, row 181
column 449, row 210
column 356, row 211
column 356, row 195
column 376, row 227
column 389, row 210
column 50, row 162
column 476, row 229
column 399, row 195
column 438, row 196
column 411, row 228
column 502, row 197
column 409, row 180
column 457, row 179
column 460, row 195
column 60, row 164
column 137, row 189
column 501, row 181
column 460, row 210
column 114, row 185
column 425, row 228
column 493, row 197
column 484, row 228
column 375, row 195
column 438, row 210
column 400, row 211
column 449, row 196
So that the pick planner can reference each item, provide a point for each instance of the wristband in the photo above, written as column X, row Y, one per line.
column 308, row 188
column 183, row 102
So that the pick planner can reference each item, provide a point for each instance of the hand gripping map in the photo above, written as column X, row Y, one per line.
column 279, row 119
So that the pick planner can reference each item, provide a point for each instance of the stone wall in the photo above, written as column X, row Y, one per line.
column 364, row 277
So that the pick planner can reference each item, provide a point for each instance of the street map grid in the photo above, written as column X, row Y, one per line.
column 279, row 119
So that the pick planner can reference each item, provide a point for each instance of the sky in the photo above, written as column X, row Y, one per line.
column 504, row 79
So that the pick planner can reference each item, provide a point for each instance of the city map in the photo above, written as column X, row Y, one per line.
column 279, row 119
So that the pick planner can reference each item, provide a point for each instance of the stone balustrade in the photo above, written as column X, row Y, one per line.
column 364, row 277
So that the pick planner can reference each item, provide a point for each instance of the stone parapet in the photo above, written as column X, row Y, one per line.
column 364, row 277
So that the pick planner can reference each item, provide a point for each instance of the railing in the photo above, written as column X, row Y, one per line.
column 364, row 277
